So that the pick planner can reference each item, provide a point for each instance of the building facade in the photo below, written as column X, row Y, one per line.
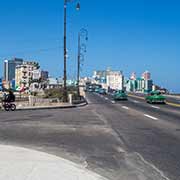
column 1, row 85
column 24, row 74
column 109, row 79
column 115, row 80
column 10, row 68
column 146, row 75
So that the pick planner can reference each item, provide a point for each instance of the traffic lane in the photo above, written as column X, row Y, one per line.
column 143, row 109
column 167, row 107
column 161, row 107
column 100, row 99
column 157, row 141
column 171, row 102
column 174, row 101
column 155, row 112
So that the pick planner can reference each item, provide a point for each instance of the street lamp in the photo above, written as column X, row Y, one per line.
column 65, row 94
column 83, row 33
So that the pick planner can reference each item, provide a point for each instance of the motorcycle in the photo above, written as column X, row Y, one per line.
column 8, row 106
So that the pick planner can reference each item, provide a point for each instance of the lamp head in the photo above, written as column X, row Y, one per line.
column 78, row 7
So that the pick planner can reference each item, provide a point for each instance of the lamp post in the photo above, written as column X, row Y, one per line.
column 65, row 94
column 81, row 49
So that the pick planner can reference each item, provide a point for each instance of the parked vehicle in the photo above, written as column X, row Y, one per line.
column 97, row 90
column 102, row 91
column 155, row 97
column 120, row 95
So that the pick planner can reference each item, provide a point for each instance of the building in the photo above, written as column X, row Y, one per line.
column 148, row 85
column 109, row 79
column 140, row 85
column 53, row 83
column 1, row 85
column 100, row 76
column 24, row 74
column 115, row 80
column 133, row 76
column 146, row 75
column 10, row 68
column 44, row 75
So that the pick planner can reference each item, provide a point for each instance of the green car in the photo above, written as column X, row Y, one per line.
column 97, row 90
column 120, row 95
column 102, row 91
column 155, row 97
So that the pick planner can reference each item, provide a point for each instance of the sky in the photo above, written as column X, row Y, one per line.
column 127, row 35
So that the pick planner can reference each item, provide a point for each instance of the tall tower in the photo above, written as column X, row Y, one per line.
column 146, row 75
column 10, row 67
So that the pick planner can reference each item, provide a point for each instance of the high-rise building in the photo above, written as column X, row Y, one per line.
column 146, row 75
column 115, row 80
column 24, row 74
column 133, row 76
column 148, row 86
column 10, row 68
column 1, row 85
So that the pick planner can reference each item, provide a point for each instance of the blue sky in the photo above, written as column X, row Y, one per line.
column 124, row 35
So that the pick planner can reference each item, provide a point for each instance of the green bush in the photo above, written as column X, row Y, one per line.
column 58, row 93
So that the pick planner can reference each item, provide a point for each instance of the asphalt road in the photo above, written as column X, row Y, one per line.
column 126, row 140
column 173, row 100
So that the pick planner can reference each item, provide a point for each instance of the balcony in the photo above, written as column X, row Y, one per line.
column 24, row 77
column 23, row 82
column 24, row 71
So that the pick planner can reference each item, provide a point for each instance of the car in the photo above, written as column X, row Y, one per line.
column 97, row 90
column 120, row 95
column 102, row 91
column 90, row 90
column 155, row 97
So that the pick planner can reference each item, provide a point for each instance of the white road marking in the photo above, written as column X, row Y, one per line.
column 156, row 107
column 151, row 117
column 113, row 102
column 106, row 98
column 125, row 107
column 136, row 101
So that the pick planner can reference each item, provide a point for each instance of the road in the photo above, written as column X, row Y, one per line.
column 171, row 100
column 128, row 140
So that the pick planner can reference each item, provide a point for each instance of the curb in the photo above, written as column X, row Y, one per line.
column 43, row 108
column 54, row 107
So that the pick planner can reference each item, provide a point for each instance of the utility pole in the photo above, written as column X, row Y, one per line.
column 65, row 93
column 78, row 68
column 65, row 98
column 81, row 50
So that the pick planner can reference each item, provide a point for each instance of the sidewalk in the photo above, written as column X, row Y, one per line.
column 25, row 164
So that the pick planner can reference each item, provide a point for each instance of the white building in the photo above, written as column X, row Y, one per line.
column 115, row 80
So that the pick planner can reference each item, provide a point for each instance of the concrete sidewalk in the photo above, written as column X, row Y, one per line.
column 24, row 164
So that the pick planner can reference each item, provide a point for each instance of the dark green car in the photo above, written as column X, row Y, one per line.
column 155, row 97
column 102, row 91
column 120, row 95
column 97, row 90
